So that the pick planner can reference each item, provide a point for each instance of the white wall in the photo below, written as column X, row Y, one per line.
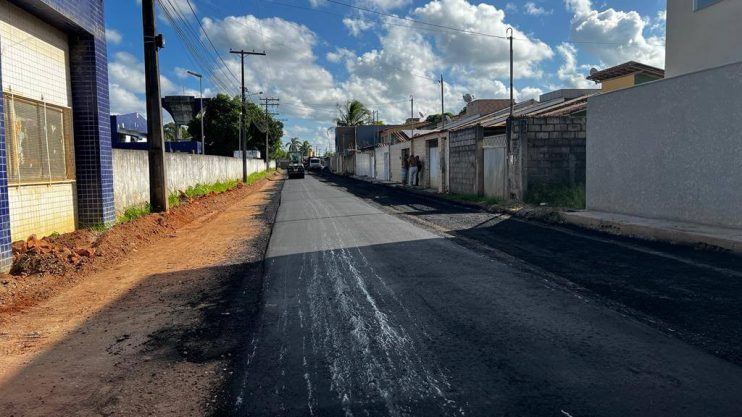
column 706, row 38
column 35, row 57
column 670, row 149
column 131, row 174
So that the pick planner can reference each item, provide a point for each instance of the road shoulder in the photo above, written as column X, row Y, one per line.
column 151, row 335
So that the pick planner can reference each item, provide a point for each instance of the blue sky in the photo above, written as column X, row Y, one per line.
column 320, row 53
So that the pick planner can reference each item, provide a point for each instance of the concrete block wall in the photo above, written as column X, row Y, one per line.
column 462, row 161
column 131, row 174
column 670, row 149
column 553, row 151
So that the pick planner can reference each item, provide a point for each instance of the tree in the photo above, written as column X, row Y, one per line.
column 305, row 148
column 222, row 125
column 169, row 131
column 294, row 145
column 436, row 118
column 353, row 113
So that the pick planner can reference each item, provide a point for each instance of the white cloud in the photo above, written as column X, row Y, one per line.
column 127, row 71
column 481, row 55
column 534, row 10
column 568, row 72
column 357, row 26
column 124, row 101
column 614, row 36
column 383, row 4
column 340, row 55
column 289, row 70
column 113, row 36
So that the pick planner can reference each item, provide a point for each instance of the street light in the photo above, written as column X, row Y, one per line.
column 203, row 113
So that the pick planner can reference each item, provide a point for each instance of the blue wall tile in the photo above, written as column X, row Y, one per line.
column 84, row 22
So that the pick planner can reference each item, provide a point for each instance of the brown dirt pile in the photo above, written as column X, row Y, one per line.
column 43, row 266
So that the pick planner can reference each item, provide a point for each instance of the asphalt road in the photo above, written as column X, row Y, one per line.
column 368, row 314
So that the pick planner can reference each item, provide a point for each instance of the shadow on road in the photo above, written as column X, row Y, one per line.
column 687, row 293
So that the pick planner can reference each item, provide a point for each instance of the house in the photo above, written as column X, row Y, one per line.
column 702, row 34
column 129, row 131
column 128, row 128
column 625, row 75
column 670, row 149
column 499, row 155
column 55, row 137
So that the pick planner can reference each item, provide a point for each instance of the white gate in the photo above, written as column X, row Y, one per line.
column 495, row 166
column 363, row 165
column 434, row 167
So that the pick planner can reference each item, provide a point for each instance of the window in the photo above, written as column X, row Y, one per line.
column 701, row 4
column 38, row 141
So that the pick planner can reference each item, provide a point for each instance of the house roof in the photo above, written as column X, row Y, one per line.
column 626, row 68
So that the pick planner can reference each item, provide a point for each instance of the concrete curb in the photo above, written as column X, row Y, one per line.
column 673, row 232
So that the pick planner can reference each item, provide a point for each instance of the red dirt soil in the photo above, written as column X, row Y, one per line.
column 42, row 267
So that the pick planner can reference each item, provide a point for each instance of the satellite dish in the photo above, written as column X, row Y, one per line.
column 468, row 98
column 422, row 116
column 593, row 71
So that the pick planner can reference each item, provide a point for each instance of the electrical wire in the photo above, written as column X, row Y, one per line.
column 203, row 30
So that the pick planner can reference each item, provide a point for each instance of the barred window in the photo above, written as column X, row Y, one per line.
column 38, row 139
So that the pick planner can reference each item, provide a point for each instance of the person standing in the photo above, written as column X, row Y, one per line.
column 419, row 165
column 413, row 170
column 405, row 168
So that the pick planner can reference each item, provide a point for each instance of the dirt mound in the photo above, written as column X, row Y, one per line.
column 43, row 266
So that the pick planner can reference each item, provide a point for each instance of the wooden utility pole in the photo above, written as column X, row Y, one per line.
column 268, row 101
column 443, row 113
column 243, row 131
column 155, row 145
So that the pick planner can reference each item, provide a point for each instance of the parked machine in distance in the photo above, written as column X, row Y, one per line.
column 296, row 167
column 315, row 164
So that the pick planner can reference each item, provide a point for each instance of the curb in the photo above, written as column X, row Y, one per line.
column 665, row 234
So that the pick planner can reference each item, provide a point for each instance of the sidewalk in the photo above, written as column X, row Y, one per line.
column 655, row 229
column 617, row 224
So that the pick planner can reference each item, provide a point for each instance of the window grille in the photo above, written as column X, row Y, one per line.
column 38, row 140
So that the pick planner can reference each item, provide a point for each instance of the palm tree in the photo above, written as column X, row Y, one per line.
column 353, row 113
column 294, row 145
column 305, row 148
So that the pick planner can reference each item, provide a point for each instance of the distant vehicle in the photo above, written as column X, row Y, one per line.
column 315, row 164
column 295, row 168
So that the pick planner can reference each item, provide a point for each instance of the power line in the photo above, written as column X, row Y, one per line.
column 430, row 29
column 181, row 26
column 216, row 51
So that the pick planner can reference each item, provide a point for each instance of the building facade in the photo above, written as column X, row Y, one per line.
column 55, row 140
column 702, row 34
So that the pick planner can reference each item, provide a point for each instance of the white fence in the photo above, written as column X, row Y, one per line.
column 183, row 170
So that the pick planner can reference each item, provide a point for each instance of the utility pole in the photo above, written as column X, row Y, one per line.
column 201, row 108
column 443, row 113
column 412, row 107
column 509, row 33
column 155, row 145
column 243, row 133
column 268, row 101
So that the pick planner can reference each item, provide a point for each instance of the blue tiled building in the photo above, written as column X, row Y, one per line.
column 55, row 171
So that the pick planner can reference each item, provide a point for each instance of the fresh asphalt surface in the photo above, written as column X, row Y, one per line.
column 366, row 313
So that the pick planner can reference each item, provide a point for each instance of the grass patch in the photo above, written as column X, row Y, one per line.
column 557, row 195
column 198, row 190
column 134, row 212
column 473, row 198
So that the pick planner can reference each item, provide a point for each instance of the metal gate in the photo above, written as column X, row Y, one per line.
column 495, row 166
column 363, row 165
column 434, row 166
